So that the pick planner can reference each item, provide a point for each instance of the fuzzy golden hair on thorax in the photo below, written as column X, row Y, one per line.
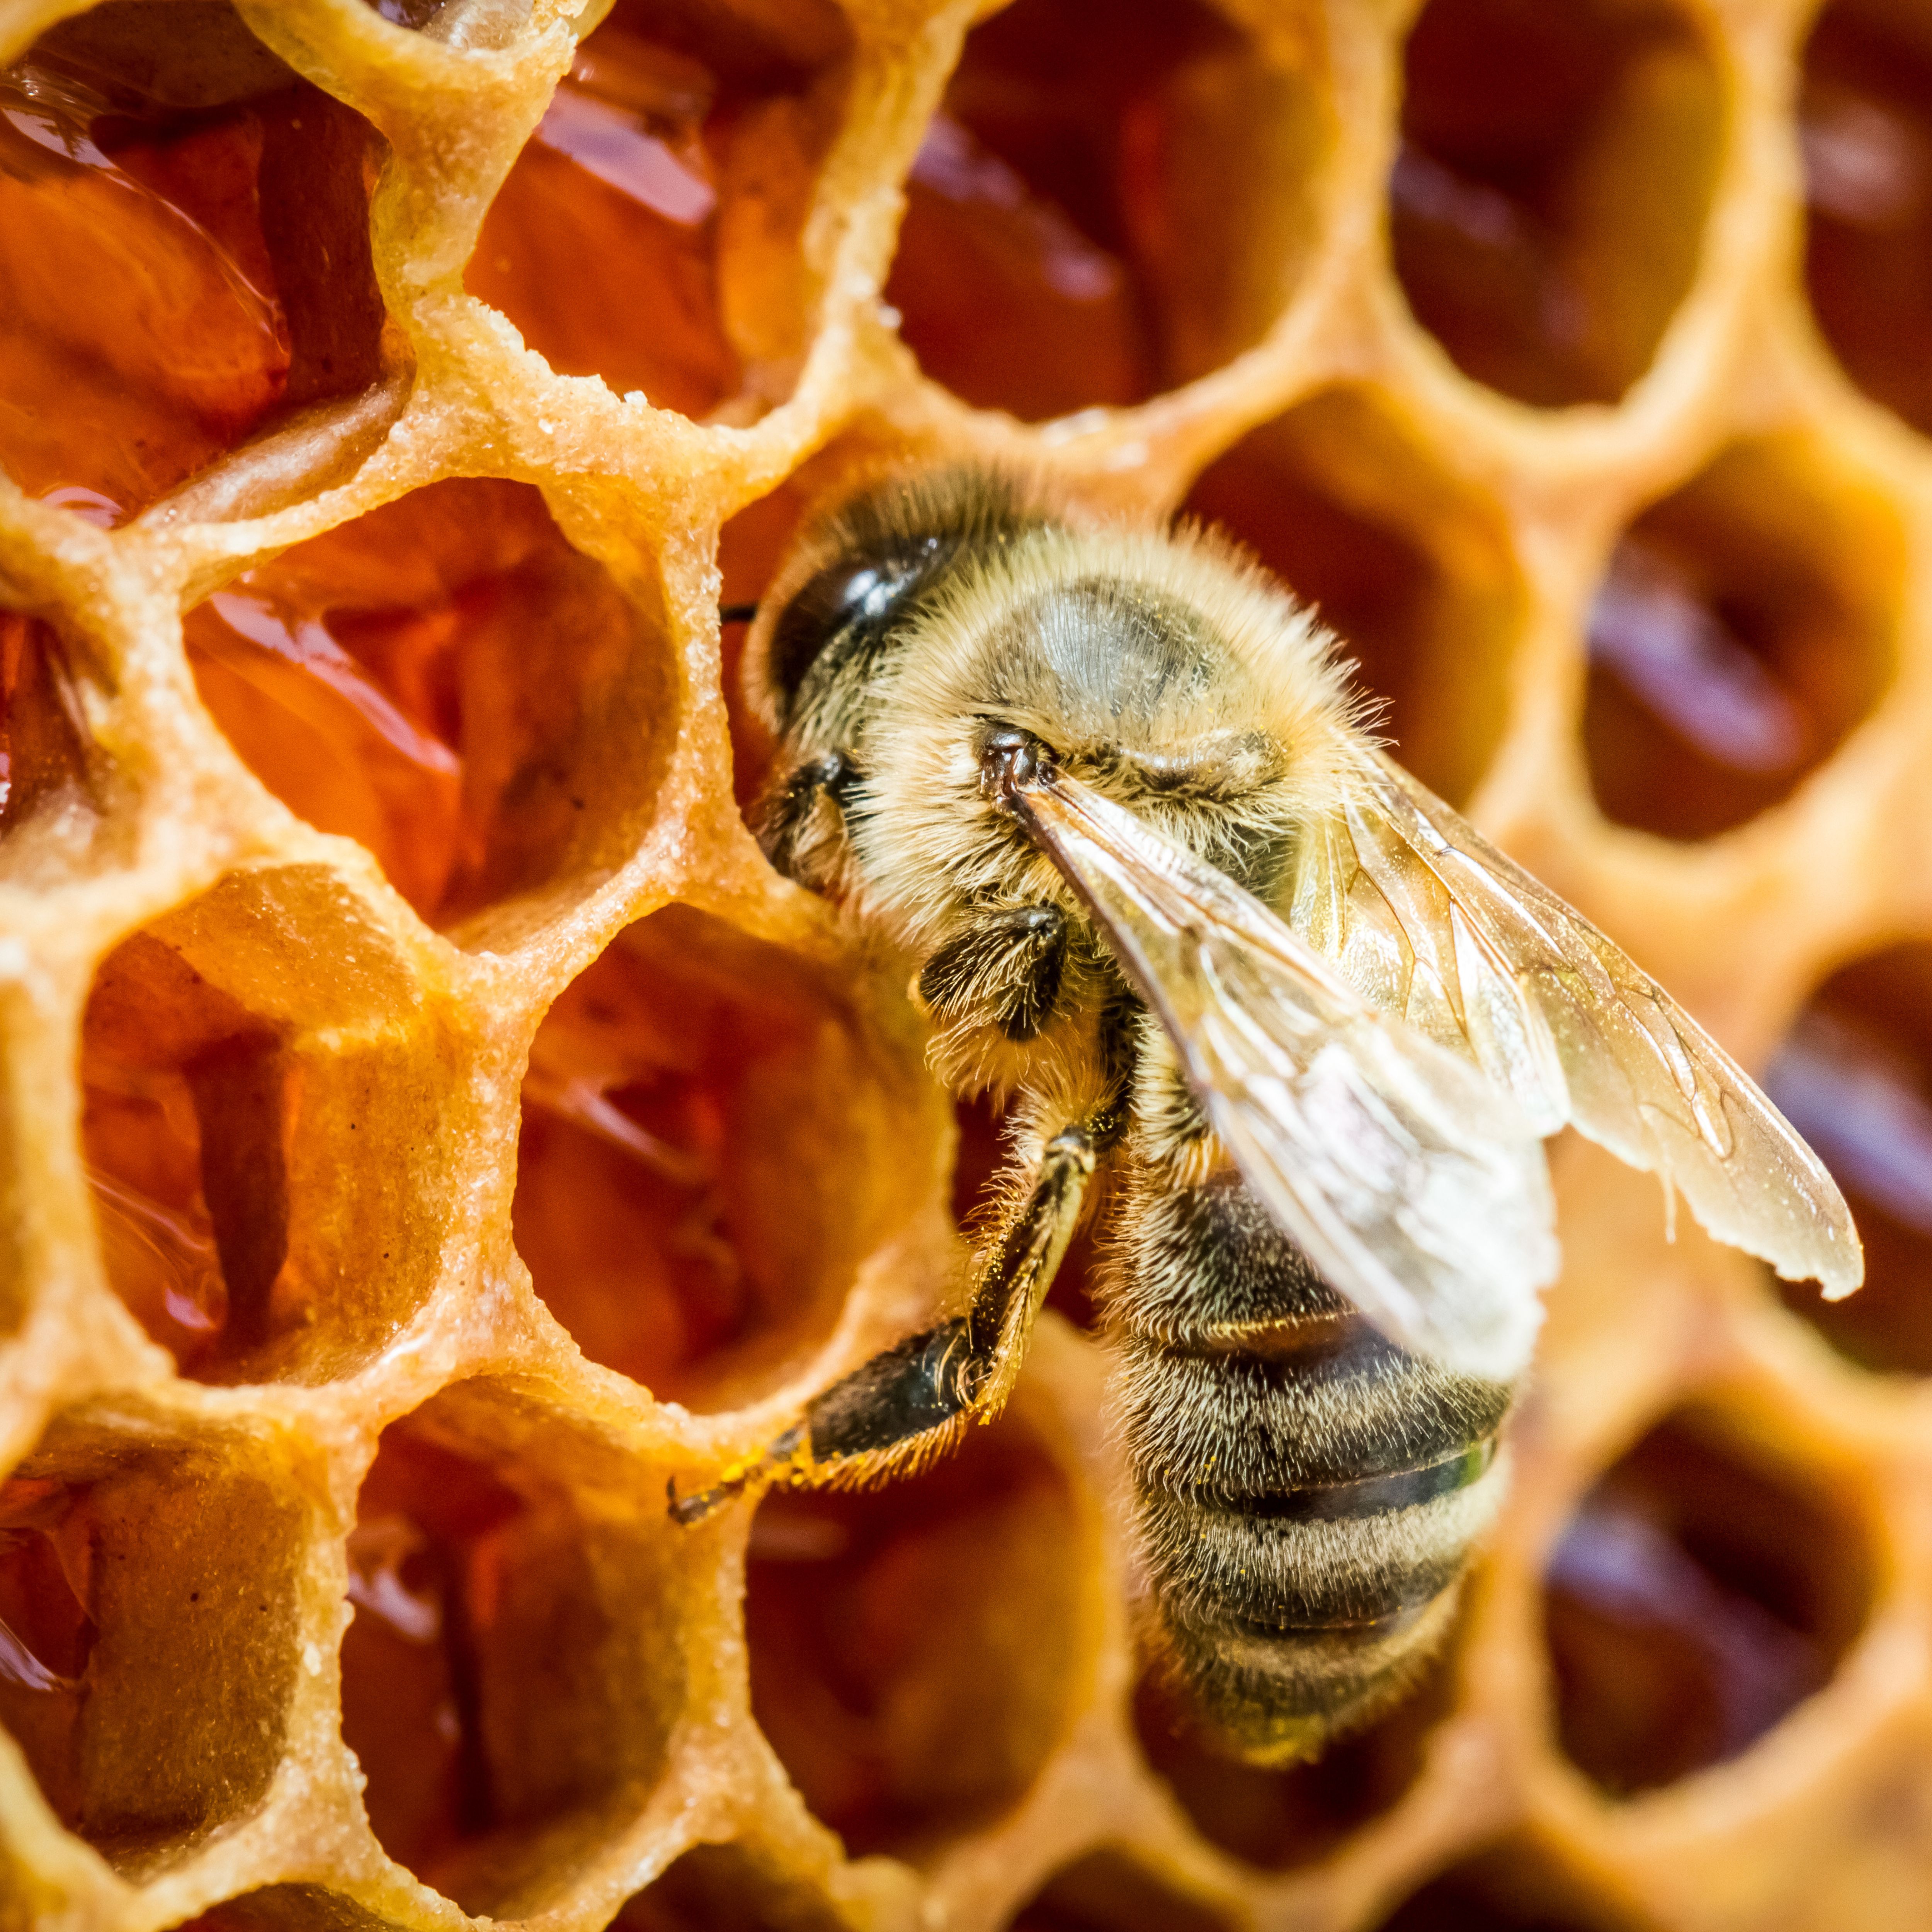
column 1165, row 669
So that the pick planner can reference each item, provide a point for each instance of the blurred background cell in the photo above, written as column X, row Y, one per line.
column 1108, row 1891
column 726, row 1888
column 1864, row 129
column 1744, row 628
column 1412, row 567
column 1284, row 1819
column 1854, row 1075
column 1547, row 203
column 1518, row 1885
column 1704, row 1588
column 1094, row 217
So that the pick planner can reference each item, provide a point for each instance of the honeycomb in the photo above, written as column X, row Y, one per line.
column 430, row 1130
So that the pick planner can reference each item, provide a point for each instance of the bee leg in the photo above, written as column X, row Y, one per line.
column 1004, row 969
column 788, row 811
column 911, row 1402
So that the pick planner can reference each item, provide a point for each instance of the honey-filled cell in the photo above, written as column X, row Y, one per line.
column 510, row 1676
column 647, row 233
column 1097, row 215
column 148, row 1633
column 231, row 1052
column 1743, row 628
column 711, row 1146
column 1413, row 569
column 1854, row 1076
column 1280, row 1819
column 446, row 681
column 185, row 226
column 1547, row 206
column 1704, row 1588
column 1864, row 125
column 1108, row 1891
column 917, row 1651
column 48, row 761
column 1519, row 1886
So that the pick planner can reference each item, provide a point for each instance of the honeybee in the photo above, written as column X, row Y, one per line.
column 1107, row 793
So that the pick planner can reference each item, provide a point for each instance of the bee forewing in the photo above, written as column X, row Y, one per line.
column 1416, row 1186
column 1560, row 1017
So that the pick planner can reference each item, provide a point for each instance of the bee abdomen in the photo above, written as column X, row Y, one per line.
column 1297, row 1612
column 1341, row 1555
column 1307, row 1493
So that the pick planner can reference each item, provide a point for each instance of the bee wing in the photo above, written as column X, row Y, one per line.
column 1419, row 910
column 1417, row 1188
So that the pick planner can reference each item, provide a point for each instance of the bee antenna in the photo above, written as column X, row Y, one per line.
column 736, row 613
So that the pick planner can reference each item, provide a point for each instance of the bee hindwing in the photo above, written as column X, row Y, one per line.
column 1414, row 1184
column 1411, row 901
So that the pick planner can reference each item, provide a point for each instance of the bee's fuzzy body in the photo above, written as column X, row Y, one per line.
column 1306, row 1493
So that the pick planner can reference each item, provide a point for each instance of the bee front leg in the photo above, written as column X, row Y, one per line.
column 1003, row 968
column 787, row 812
column 911, row 1402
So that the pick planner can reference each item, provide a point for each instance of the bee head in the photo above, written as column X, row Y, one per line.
column 859, row 579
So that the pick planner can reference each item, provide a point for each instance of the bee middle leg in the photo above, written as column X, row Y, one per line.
column 909, row 1402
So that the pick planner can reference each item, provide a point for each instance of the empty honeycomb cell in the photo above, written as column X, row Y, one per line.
column 232, row 1054
column 48, row 762
column 1854, row 1076
column 649, row 229
column 1277, row 1820
column 185, row 223
column 702, row 1168
column 1864, row 123
column 1705, row 1587
column 917, row 1651
column 448, row 682
column 147, row 1631
column 1547, row 206
column 1108, row 1892
column 1519, row 1886
column 726, row 1888
column 1743, row 628
column 1413, row 569
column 511, row 1675
column 1094, row 217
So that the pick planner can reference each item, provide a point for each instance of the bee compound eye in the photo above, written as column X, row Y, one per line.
column 858, row 597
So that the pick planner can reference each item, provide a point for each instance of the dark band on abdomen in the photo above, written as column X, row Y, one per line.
column 1307, row 1492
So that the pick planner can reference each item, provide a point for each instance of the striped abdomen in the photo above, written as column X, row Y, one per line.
column 1307, row 1492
